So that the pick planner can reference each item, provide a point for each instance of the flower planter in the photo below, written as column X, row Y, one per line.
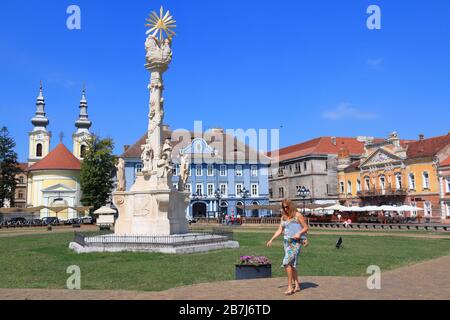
column 245, row 272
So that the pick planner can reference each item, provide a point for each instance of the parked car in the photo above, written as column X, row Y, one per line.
column 87, row 220
column 17, row 222
column 53, row 221
column 36, row 222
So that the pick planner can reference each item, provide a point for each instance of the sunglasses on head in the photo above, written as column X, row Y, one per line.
column 285, row 208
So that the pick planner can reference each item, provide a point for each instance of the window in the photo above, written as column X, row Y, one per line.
column 358, row 185
column 176, row 170
column 398, row 182
column 20, row 196
column 224, row 189
column 298, row 167
column 198, row 170
column 21, row 180
column 448, row 184
column 199, row 189
column 342, row 187
column 188, row 188
column 281, row 192
column 210, row 190
column 271, row 193
column 223, row 171
column 426, row 180
column 254, row 171
column 255, row 190
column 82, row 151
column 305, row 166
column 175, row 186
column 428, row 208
column 412, row 182
column 349, row 187
column 367, row 182
column 39, row 150
column 238, row 171
column 383, row 183
column 281, row 171
column 138, row 167
column 210, row 170
column 239, row 188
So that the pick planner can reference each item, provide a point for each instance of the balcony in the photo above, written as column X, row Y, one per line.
column 388, row 192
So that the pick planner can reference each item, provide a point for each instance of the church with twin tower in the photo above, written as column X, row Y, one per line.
column 54, row 175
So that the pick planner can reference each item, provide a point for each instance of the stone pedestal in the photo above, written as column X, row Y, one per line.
column 149, row 210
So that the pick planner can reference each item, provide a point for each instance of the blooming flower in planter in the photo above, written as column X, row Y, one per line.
column 254, row 261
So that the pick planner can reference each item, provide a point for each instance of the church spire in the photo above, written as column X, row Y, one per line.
column 83, row 123
column 40, row 121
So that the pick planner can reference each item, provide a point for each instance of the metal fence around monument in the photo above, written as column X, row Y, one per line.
column 196, row 237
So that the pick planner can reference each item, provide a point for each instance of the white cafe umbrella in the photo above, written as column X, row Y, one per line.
column 389, row 208
column 336, row 207
column 105, row 210
column 409, row 208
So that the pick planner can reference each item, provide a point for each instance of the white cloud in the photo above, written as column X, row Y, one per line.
column 347, row 111
column 374, row 63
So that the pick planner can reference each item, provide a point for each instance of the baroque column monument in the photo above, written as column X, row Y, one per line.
column 152, row 215
column 153, row 206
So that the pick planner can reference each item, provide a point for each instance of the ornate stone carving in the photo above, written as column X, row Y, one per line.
column 147, row 158
column 121, row 181
column 184, row 172
column 165, row 166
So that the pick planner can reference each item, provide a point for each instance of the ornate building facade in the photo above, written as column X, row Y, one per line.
column 312, row 164
column 444, row 184
column 213, row 167
column 395, row 172
column 53, row 175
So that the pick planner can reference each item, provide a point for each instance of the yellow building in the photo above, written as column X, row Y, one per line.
column 395, row 172
column 53, row 177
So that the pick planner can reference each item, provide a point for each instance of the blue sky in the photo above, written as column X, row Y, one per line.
column 310, row 67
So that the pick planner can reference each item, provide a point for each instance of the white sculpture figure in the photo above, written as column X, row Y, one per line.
column 165, row 163
column 147, row 158
column 184, row 172
column 121, row 181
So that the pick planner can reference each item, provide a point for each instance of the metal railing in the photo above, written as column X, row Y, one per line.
column 197, row 236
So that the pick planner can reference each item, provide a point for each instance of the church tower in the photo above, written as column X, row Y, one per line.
column 83, row 125
column 39, row 138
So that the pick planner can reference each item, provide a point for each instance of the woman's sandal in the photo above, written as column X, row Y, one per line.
column 290, row 292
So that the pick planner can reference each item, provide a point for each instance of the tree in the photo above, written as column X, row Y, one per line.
column 9, row 168
column 97, row 171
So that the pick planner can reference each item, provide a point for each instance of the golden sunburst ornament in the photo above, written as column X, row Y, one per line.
column 161, row 25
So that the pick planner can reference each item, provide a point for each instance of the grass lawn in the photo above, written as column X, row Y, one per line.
column 40, row 261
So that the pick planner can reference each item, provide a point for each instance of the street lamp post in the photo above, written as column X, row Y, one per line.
column 303, row 193
column 218, row 196
column 245, row 195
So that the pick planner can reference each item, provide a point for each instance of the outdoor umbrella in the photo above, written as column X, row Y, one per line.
column 336, row 207
column 409, row 208
column 105, row 210
column 389, row 208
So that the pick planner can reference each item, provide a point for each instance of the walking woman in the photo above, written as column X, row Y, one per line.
column 295, row 228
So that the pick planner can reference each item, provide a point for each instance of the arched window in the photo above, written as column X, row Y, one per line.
column 82, row 151
column 39, row 150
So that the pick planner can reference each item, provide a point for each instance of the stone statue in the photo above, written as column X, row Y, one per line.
column 121, row 182
column 184, row 172
column 147, row 158
column 165, row 163
column 158, row 52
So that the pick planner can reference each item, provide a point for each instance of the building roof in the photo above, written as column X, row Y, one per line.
column 216, row 139
column 322, row 146
column 353, row 167
column 428, row 147
column 23, row 167
column 59, row 158
column 445, row 163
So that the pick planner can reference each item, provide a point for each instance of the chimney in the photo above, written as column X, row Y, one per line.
column 334, row 141
column 421, row 137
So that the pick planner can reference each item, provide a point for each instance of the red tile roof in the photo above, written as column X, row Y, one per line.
column 428, row 147
column 23, row 167
column 59, row 158
column 322, row 146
